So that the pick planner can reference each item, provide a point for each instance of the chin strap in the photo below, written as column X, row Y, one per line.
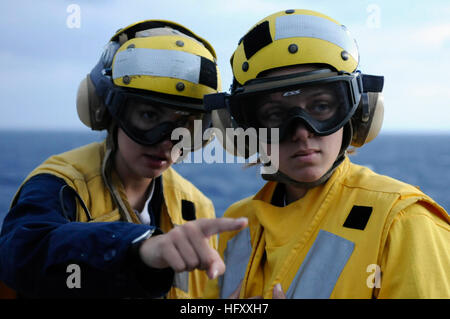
column 107, row 170
column 106, row 174
column 285, row 179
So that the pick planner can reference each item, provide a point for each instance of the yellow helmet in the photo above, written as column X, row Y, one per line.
column 287, row 39
column 160, row 60
column 164, row 57
column 294, row 37
column 298, row 37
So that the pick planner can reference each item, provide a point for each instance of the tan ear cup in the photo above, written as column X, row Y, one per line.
column 91, row 111
column 365, row 130
column 221, row 120
column 377, row 100
column 83, row 103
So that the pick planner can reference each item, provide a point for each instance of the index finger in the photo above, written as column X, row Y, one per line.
column 219, row 225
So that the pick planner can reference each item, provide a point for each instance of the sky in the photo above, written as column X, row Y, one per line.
column 47, row 47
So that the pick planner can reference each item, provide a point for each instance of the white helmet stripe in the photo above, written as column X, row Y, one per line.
column 299, row 25
column 154, row 62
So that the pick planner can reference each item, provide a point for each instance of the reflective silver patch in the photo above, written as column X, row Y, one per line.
column 145, row 235
column 154, row 62
column 181, row 281
column 321, row 268
column 308, row 26
column 236, row 258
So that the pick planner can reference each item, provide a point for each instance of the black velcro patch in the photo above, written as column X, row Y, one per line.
column 187, row 210
column 208, row 73
column 358, row 217
column 257, row 39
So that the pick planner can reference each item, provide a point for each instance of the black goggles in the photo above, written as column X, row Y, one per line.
column 150, row 119
column 322, row 100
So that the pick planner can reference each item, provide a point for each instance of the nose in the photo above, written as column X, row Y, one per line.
column 165, row 144
column 299, row 131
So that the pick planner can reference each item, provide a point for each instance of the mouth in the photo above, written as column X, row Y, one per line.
column 306, row 156
column 305, row 152
column 156, row 160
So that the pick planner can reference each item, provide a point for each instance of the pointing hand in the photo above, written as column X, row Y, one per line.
column 185, row 247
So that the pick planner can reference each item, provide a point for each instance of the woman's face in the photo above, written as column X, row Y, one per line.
column 303, row 156
column 143, row 161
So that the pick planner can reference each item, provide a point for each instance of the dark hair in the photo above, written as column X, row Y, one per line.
column 111, row 136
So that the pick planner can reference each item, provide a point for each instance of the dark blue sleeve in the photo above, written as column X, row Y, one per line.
column 39, row 241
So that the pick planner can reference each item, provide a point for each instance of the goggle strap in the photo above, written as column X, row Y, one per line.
column 372, row 83
column 215, row 101
column 365, row 116
column 279, row 82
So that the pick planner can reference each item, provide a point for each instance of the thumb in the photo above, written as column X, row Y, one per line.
column 217, row 267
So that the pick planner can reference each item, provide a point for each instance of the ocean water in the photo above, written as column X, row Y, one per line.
column 421, row 160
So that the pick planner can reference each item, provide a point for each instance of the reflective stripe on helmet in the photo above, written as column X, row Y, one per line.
column 293, row 37
column 155, row 62
column 308, row 26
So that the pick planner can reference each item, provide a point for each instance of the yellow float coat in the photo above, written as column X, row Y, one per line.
column 316, row 250
column 84, row 169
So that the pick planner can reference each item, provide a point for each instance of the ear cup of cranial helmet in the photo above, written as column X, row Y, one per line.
column 368, row 119
column 83, row 103
column 90, row 109
column 234, row 141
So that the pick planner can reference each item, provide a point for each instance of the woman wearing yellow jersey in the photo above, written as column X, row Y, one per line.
column 322, row 227
column 99, row 221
